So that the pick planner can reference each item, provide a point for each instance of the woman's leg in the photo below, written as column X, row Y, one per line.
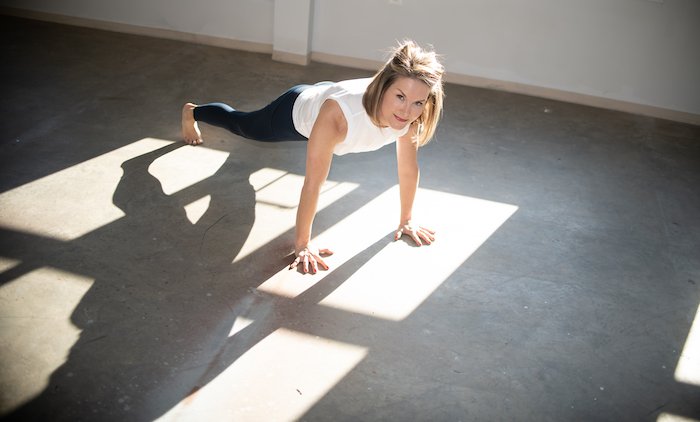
column 272, row 123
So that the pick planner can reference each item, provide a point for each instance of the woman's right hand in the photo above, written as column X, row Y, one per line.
column 310, row 257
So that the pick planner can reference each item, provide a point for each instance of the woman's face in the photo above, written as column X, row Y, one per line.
column 403, row 102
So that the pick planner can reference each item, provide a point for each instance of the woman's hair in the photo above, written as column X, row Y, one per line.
column 409, row 60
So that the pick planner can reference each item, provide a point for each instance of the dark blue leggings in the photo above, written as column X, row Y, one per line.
column 272, row 123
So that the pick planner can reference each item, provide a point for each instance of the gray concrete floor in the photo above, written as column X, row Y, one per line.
column 142, row 279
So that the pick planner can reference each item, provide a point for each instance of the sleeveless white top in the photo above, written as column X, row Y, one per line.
column 362, row 134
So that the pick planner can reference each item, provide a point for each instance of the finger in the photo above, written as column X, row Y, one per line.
column 325, row 252
column 426, row 237
column 416, row 239
column 306, row 264
column 294, row 264
column 397, row 235
column 322, row 263
column 314, row 266
column 428, row 230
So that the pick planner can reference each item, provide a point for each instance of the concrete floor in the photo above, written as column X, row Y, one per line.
column 141, row 279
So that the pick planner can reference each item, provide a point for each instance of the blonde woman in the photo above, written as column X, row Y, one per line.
column 402, row 103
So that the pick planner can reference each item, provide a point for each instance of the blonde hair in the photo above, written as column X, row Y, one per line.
column 409, row 60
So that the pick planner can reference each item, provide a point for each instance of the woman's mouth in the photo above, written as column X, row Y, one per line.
column 400, row 119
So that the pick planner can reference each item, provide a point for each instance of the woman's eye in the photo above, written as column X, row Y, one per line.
column 400, row 97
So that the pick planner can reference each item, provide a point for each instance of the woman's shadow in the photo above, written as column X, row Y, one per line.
column 160, row 303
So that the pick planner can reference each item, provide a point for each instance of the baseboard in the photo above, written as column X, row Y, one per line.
column 372, row 65
column 282, row 56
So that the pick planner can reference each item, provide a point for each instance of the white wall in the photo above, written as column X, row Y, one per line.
column 244, row 20
column 292, row 31
column 639, row 51
column 632, row 50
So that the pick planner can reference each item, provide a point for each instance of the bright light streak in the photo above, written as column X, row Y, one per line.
column 239, row 324
column 186, row 166
column 72, row 202
column 7, row 264
column 36, row 333
column 688, row 369
column 278, row 379
column 668, row 417
column 277, row 197
column 196, row 209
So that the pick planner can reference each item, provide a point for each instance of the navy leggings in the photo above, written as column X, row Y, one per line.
column 271, row 123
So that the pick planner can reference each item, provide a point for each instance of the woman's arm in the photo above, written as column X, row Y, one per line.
column 409, row 175
column 329, row 129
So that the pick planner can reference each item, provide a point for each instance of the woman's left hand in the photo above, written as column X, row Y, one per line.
column 420, row 235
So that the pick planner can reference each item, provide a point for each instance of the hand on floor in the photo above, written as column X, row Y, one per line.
column 420, row 235
column 310, row 258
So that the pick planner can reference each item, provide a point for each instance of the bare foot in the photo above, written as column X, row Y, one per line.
column 190, row 130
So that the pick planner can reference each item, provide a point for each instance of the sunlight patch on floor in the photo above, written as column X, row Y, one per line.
column 7, row 264
column 196, row 209
column 239, row 324
column 81, row 207
column 186, row 166
column 36, row 330
column 277, row 196
column 395, row 281
column 668, row 417
column 278, row 379
column 688, row 368
column 63, row 205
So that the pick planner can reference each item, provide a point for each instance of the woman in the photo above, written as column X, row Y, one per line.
column 402, row 103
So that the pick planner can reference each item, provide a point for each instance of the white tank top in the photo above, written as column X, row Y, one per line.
column 362, row 134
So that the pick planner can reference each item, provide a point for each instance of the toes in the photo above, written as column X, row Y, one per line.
column 193, row 141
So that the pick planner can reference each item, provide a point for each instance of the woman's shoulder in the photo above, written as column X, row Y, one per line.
column 355, row 85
